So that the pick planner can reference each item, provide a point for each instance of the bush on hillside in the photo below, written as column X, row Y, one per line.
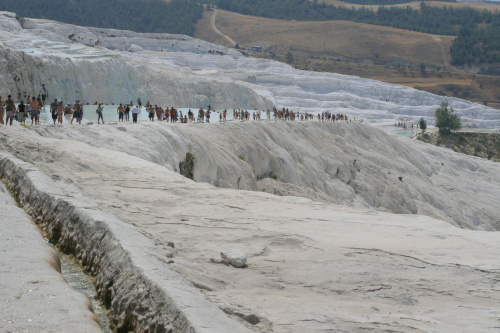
column 446, row 120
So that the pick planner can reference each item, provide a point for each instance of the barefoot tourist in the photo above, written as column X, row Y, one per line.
column 135, row 113
column 10, row 107
column 120, row 111
column 44, row 93
column 35, row 110
column 99, row 114
column 21, row 111
column 60, row 111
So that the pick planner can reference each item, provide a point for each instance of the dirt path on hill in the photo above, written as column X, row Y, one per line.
column 214, row 28
column 439, row 41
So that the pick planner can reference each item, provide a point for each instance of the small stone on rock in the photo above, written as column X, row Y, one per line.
column 234, row 257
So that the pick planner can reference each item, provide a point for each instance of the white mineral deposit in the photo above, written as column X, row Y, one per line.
column 342, row 226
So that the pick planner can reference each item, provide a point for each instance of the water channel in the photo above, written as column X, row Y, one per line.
column 82, row 282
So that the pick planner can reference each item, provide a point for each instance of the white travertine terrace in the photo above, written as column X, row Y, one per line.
column 369, row 231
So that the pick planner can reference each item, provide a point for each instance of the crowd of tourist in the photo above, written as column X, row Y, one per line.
column 32, row 107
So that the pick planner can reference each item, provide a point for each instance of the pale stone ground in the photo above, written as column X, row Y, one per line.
column 312, row 267
column 34, row 297
column 344, row 163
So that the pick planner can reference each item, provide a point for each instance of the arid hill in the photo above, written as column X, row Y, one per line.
column 413, row 59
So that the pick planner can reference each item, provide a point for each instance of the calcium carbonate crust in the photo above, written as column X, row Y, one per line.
column 144, row 294
column 344, row 163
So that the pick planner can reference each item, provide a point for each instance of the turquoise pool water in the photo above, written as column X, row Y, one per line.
column 408, row 133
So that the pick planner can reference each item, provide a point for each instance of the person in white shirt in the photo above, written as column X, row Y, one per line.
column 44, row 93
column 135, row 113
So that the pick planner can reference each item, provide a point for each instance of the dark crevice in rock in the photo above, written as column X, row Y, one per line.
column 186, row 167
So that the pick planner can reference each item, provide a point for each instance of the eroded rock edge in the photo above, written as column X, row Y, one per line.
column 142, row 297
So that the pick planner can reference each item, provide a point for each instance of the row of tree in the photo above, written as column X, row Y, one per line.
column 429, row 19
column 385, row 2
column 478, row 32
column 477, row 45
column 176, row 16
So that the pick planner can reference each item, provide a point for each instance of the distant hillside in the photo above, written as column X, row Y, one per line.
column 384, row 2
column 416, row 5
column 342, row 40
column 176, row 16
column 386, row 54
column 478, row 32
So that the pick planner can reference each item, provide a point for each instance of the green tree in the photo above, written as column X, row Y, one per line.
column 423, row 124
column 446, row 120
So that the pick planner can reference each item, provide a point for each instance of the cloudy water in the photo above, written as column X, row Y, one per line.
column 81, row 282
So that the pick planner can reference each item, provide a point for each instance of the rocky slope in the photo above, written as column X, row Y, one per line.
column 344, row 163
column 312, row 267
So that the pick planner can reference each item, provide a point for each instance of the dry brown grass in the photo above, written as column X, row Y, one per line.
column 416, row 4
column 380, row 53
column 332, row 39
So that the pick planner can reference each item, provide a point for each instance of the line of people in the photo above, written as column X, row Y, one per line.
column 33, row 107
column 168, row 114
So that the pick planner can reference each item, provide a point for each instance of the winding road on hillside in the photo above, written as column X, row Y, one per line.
column 212, row 24
column 439, row 41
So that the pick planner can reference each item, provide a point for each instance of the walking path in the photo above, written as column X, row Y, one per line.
column 226, row 37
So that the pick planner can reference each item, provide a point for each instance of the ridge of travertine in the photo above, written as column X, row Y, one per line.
column 344, row 163
column 144, row 294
